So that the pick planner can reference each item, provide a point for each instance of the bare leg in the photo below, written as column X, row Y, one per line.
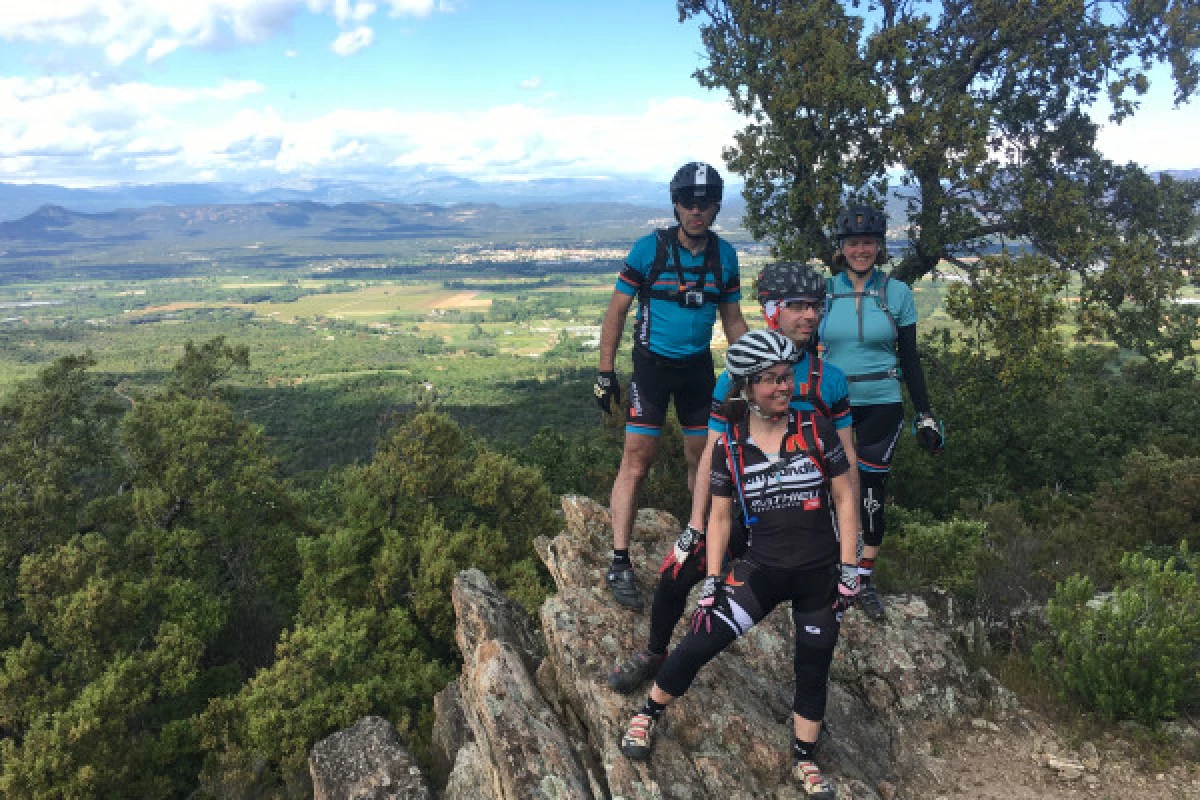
column 639, row 454
column 693, row 450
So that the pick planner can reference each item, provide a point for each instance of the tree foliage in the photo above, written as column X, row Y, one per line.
column 983, row 107
column 374, row 631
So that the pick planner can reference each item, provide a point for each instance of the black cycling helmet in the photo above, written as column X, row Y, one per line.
column 758, row 350
column 696, row 181
column 789, row 280
column 861, row 221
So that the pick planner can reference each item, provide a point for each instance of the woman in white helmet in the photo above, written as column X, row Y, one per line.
column 789, row 471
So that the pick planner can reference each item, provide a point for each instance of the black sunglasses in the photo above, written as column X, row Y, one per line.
column 697, row 203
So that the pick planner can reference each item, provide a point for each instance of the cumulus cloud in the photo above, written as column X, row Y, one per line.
column 417, row 8
column 79, row 132
column 351, row 42
column 532, row 83
column 151, row 29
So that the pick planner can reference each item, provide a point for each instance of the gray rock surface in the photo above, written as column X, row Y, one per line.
column 367, row 761
column 532, row 716
column 730, row 736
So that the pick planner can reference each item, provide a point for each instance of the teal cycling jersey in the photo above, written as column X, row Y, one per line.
column 830, row 389
column 664, row 326
column 859, row 336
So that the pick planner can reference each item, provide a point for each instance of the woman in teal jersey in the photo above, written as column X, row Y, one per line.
column 870, row 331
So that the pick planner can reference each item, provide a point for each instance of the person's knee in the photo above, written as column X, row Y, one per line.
column 638, row 457
column 816, row 636
column 872, row 486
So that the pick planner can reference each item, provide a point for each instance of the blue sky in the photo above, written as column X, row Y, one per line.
column 277, row 91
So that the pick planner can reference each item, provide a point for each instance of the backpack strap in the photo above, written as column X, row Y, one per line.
column 881, row 300
column 666, row 245
column 737, row 472
column 881, row 297
column 810, row 390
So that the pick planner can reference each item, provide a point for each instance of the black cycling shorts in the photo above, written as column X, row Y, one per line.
column 657, row 379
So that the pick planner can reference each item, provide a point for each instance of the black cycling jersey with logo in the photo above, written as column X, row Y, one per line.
column 788, row 500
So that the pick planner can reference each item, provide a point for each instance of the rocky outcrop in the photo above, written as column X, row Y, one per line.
column 542, row 722
column 365, row 762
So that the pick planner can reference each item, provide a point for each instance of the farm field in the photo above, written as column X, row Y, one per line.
column 332, row 360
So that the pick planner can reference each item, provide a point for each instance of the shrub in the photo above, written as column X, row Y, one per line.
column 1134, row 654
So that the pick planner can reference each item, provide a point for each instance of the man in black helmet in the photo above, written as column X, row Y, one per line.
column 684, row 277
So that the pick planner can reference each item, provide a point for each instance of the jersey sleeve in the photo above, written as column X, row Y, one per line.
column 836, row 462
column 731, row 274
column 900, row 301
column 716, row 409
column 720, row 483
column 835, row 391
column 637, row 265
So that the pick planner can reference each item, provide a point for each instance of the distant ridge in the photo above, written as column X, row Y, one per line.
column 19, row 200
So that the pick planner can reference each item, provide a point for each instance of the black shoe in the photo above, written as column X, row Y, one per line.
column 623, row 587
column 641, row 667
column 869, row 601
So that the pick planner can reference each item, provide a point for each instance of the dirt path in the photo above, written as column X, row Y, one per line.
column 1023, row 758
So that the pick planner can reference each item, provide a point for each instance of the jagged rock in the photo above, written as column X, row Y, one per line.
column 470, row 779
column 730, row 734
column 541, row 722
column 365, row 762
column 450, row 731
column 524, row 749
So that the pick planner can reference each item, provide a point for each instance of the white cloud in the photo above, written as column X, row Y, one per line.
column 160, row 48
column 351, row 42
column 532, row 83
column 82, row 130
column 72, row 131
column 127, row 29
column 417, row 8
column 1158, row 137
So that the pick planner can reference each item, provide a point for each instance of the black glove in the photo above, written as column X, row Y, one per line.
column 847, row 589
column 607, row 391
column 713, row 603
column 929, row 433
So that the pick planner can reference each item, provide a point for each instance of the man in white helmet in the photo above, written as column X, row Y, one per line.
column 684, row 278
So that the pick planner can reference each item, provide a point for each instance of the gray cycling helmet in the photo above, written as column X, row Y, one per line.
column 860, row 221
column 758, row 350
column 696, row 181
column 790, row 280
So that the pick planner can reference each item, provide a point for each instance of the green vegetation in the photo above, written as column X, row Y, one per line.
column 229, row 528
column 178, row 616
column 985, row 110
column 1135, row 652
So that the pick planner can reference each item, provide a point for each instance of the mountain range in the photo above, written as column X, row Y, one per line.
column 18, row 200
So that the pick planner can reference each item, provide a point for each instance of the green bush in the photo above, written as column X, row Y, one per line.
column 1134, row 654
column 943, row 555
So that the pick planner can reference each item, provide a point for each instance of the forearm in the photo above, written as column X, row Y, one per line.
column 611, row 330
column 700, row 492
column 910, row 366
column 732, row 321
column 846, row 437
column 845, row 501
column 717, row 537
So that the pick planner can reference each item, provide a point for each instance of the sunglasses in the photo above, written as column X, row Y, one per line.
column 802, row 304
column 777, row 380
column 696, row 203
